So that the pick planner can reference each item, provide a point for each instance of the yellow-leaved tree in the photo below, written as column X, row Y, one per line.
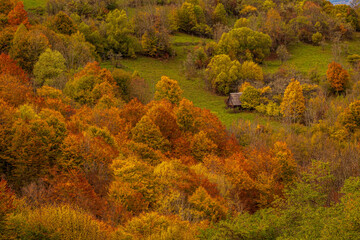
column 293, row 105
column 168, row 89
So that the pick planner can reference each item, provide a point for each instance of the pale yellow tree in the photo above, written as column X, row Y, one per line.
column 293, row 105
column 168, row 89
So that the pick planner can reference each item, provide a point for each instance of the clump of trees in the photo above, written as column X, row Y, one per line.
column 225, row 75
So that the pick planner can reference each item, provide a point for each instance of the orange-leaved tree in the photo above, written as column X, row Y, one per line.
column 162, row 114
column 18, row 15
column 13, row 91
column 10, row 67
column 337, row 77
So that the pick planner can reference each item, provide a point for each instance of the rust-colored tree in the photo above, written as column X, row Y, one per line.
column 73, row 188
column 10, row 67
column 132, row 112
column 92, row 151
column 337, row 77
column 18, row 15
column 161, row 113
column 14, row 91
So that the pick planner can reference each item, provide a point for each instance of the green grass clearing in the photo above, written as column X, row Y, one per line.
column 306, row 56
column 152, row 69
column 28, row 4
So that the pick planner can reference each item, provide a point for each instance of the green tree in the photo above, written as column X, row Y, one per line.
column 152, row 225
column 191, row 18
column 282, row 53
column 122, row 79
column 293, row 105
column 49, row 67
column 223, row 74
column 168, row 89
column 241, row 22
column 156, row 42
column 250, row 97
column 245, row 44
column 119, row 33
column 27, row 46
column 220, row 14
column 316, row 38
column 205, row 207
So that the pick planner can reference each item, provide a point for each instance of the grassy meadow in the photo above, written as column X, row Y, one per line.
column 194, row 89
column 28, row 4
column 303, row 56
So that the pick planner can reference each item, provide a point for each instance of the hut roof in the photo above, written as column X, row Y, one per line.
column 234, row 99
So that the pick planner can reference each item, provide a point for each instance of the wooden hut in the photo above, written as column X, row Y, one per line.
column 233, row 101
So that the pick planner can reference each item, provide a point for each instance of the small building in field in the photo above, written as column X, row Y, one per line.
column 233, row 101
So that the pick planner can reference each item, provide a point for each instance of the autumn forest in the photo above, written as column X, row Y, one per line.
column 116, row 122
